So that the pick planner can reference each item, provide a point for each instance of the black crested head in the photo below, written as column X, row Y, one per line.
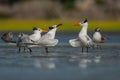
column 51, row 28
column 35, row 28
column 85, row 21
column 97, row 29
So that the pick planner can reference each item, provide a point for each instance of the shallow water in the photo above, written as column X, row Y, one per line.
column 63, row 62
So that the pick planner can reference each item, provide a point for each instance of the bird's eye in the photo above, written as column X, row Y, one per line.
column 81, row 23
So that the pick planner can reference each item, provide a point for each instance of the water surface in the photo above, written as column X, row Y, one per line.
column 63, row 62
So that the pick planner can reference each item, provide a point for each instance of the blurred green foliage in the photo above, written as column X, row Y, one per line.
column 100, row 2
column 10, row 2
column 4, row 15
column 68, row 4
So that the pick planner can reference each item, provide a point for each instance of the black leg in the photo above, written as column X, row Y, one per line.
column 30, row 50
column 82, row 49
column 24, row 49
column 87, row 49
column 46, row 49
column 19, row 49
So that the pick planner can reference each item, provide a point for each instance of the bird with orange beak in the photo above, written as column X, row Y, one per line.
column 24, row 40
column 48, row 39
column 83, row 40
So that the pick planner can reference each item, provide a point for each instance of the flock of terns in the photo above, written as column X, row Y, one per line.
column 48, row 39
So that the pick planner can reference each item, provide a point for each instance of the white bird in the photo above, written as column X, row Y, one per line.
column 83, row 39
column 48, row 39
column 25, row 40
column 98, row 38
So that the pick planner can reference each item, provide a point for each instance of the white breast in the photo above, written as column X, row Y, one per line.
column 97, row 37
column 36, row 36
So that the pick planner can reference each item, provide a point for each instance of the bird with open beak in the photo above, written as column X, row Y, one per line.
column 48, row 39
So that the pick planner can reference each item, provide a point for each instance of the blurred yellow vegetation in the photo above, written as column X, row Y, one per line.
column 27, row 25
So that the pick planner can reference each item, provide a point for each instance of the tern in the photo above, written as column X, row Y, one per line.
column 83, row 39
column 48, row 39
column 98, row 38
column 25, row 40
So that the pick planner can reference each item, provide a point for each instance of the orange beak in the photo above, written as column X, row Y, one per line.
column 44, row 31
column 59, row 25
column 76, row 25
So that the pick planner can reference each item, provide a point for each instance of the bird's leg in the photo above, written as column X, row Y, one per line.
column 97, row 46
column 19, row 49
column 100, row 46
column 94, row 46
column 30, row 50
column 24, row 49
column 46, row 49
column 82, row 49
column 87, row 49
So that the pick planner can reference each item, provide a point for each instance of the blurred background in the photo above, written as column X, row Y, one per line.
column 63, row 62
column 19, row 13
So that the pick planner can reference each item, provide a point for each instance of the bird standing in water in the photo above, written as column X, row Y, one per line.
column 98, row 38
column 48, row 39
column 83, row 39
column 25, row 40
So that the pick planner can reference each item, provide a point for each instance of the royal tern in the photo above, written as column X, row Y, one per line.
column 98, row 38
column 25, row 40
column 48, row 39
column 83, row 39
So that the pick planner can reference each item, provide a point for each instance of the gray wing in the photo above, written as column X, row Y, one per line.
column 88, row 37
column 75, row 42
column 48, row 42
column 46, row 36
column 23, row 38
column 90, row 42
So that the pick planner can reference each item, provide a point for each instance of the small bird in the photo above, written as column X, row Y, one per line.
column 83, row 39
column 28, row 41
column 8, row 37
column 98, row 38
column 48, row 39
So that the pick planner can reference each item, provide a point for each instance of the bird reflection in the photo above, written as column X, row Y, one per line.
column 97, row 59
column 47, row 64
column 84, row 63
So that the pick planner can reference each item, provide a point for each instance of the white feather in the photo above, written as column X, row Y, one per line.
column 75, row 43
